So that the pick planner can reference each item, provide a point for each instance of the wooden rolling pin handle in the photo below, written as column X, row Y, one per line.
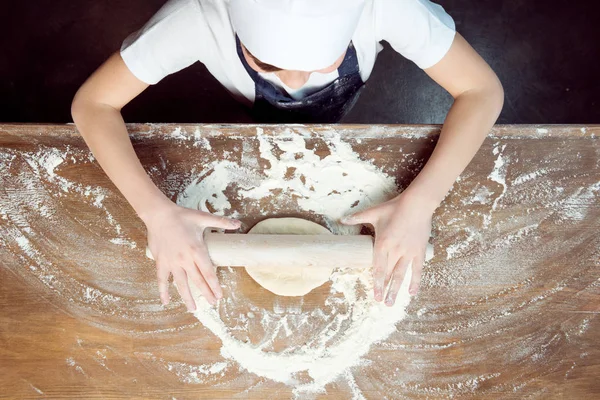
column 280, row 251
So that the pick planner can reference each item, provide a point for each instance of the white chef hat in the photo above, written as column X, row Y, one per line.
column 304, row 35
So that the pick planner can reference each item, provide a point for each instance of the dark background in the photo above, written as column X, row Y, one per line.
column 546, row 53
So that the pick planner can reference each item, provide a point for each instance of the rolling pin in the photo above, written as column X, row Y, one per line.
column 260, row 250
column 280, row 251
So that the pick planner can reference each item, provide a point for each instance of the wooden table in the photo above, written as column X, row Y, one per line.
column 507, row 309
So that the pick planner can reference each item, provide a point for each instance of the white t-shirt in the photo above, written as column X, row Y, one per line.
column 185, row 31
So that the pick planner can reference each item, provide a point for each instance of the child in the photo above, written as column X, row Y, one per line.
column 293, row 61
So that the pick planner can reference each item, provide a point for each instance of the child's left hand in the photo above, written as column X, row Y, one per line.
column 402, row 229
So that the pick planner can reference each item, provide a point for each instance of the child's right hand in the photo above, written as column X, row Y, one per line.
column 175, row 239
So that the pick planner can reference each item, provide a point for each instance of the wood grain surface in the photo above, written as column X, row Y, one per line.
column 507, row 309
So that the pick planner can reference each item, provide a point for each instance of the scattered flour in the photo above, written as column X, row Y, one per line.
column 46, row 160
column 123, row 242
column 196, row 373
column 345, row 332
column 201, row 141
column 370, row 323
column 197, row 138
column 330, row 187
column 35, row 388
column 458, row 246
column 498, row 175
column 527, row 177
column 178, row 134
column 49, row 160
column 71, row 363
column 574, row 207
column 339, row 184
column 481, row 196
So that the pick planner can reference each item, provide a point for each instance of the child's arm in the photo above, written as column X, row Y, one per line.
column 402, row 225
column 478, row 99
column 96, row 110
column 171, row 229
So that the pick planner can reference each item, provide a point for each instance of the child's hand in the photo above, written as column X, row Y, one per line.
column 175, row 241
column 402, row 229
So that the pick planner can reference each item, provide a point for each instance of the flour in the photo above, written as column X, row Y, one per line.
column 339, row 184
column 99, row 199
column 329, row 186
column 370, row 323
column 71, row 363
column 178, row 134
column 481, row 196
column 497, row 175
column 574, row 207
column 123, row 242
column 45, row 163
column 467, row 237
column 532, row 175
column 25, row 245
column 196, row 373
column 201, row 141
column 541, row 217
column 197, row 139
column 35, row 388
column 50, row 160
column 459, row 246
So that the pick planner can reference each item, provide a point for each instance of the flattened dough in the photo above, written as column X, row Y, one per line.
column 296, row 281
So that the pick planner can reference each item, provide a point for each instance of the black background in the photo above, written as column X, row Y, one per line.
column 546, row 53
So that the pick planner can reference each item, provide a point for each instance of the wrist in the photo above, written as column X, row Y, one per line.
column 154, row 209
column 419, row 199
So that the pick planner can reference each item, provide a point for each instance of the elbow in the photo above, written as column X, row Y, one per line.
column 82, row 108
column 77, row 107
column 489, row 96
column 496, row 95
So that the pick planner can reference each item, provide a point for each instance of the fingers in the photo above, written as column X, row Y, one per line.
column 361, row 217
column 198, row 280
column 392, row 260
column 149, row 253
column 397, row 278
column 162, row 274
column 180, row 277
column 207, row 269
column 380, row 259
column 215, row 221
column 417, row 270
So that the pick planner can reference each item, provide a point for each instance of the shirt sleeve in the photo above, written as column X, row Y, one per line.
column 418, row 29
column 169, row 42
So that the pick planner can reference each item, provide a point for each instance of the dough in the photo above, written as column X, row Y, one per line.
column 292, row 281
column 296, row 281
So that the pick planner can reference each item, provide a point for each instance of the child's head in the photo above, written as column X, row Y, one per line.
column 292, row 78
column 295, row 35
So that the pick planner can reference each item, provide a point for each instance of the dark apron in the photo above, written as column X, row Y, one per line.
column 328, row 105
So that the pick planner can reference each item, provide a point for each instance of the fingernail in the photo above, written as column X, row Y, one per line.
column 389, row 302
column 378, row 296
column 378, row 292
